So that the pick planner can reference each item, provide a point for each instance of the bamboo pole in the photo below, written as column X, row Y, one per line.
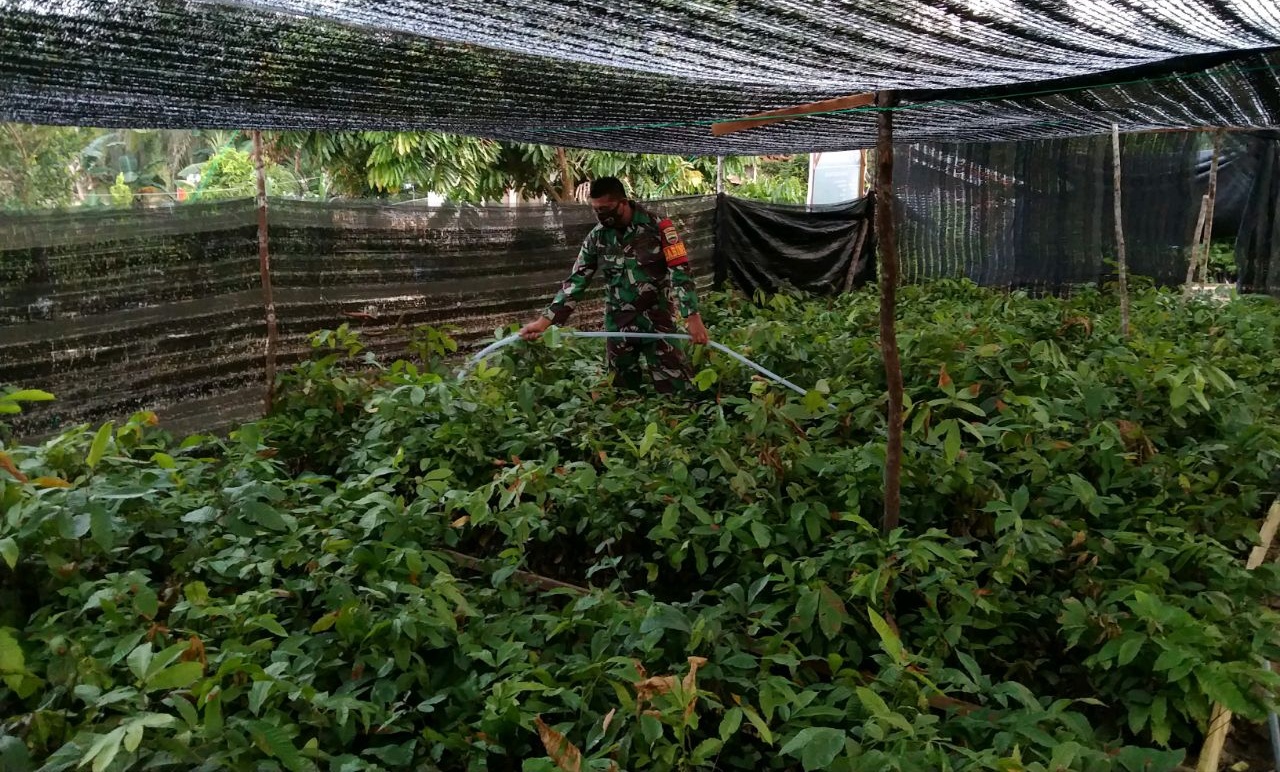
column 526, row 578
column 1213, row 199
column 1120, row 251
column 857, row 253
column 1220, row 719
column 1196, row 240
column 264, row 268
column 886, row 239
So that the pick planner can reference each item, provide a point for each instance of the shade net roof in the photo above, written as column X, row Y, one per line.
column 644, row 76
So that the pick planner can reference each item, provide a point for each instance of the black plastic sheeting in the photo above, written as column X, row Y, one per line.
column 1258, row 243
column 767, row 247
column 640, row 75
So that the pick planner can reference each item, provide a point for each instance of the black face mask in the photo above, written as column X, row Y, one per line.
column 610, row 218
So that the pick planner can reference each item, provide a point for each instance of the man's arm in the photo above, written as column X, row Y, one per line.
column 683, row 286
column 570, row 293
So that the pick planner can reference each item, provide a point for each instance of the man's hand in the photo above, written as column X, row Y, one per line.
column 697, row 332
column 533, row 330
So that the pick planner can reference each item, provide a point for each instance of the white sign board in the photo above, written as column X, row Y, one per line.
column 835, row 177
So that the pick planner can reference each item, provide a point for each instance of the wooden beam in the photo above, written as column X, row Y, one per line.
column 788, row 113
column 887, row 241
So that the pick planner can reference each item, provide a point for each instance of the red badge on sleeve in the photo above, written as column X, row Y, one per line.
column 672, row 247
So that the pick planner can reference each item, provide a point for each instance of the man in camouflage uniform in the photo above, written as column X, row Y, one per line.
column 645, row 264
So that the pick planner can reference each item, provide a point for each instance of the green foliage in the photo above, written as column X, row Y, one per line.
column 43, row 166
column 780, row 181
column 36, row 165
column 231, row 174
column 121, row 193
column 1222, row 262
column 477, row 170
column 1076, row 510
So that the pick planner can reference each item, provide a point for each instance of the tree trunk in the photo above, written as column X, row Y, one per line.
column 886, row 237
column 567, row 183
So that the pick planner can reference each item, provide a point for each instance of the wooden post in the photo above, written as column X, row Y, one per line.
column 1120, row 253
column 857, row 252
column 719, row 174
column 886, row 239
column 1196, row 240
column 1213, row 197
column 264, row 268
column 1220, row 718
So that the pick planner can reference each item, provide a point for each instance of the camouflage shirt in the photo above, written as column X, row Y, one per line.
column 645, row 267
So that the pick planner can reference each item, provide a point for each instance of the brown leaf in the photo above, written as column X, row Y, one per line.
column 690, row 684
column 1078, row 540
column 649, row 688
column 50, row 482
column 196, row 652
column 1129, row 430
column 944, row 380
column 461, row 521
column 7, row 465
column 975, row 389
column 564, row 753
column 608, row 719
column 1001, row 406
column 1060, row 444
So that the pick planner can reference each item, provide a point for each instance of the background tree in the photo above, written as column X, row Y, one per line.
column 38, row 165
column 47, row 166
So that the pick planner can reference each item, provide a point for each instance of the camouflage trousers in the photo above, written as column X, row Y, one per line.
column 667, row 364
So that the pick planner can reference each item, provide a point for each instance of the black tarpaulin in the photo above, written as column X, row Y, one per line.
column 765, row 247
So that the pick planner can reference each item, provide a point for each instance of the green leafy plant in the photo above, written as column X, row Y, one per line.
column 530, row 569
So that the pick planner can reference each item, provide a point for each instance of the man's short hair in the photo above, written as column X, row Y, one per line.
column 608, row 186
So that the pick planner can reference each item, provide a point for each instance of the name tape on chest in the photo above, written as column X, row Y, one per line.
column 672, row 247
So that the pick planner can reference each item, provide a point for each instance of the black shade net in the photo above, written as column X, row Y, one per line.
column 163, row 309
column 1041, row 214
column 643, row 76
column 1258, row 241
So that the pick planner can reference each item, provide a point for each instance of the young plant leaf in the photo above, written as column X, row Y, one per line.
column 99, row 447
column 815, row 746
